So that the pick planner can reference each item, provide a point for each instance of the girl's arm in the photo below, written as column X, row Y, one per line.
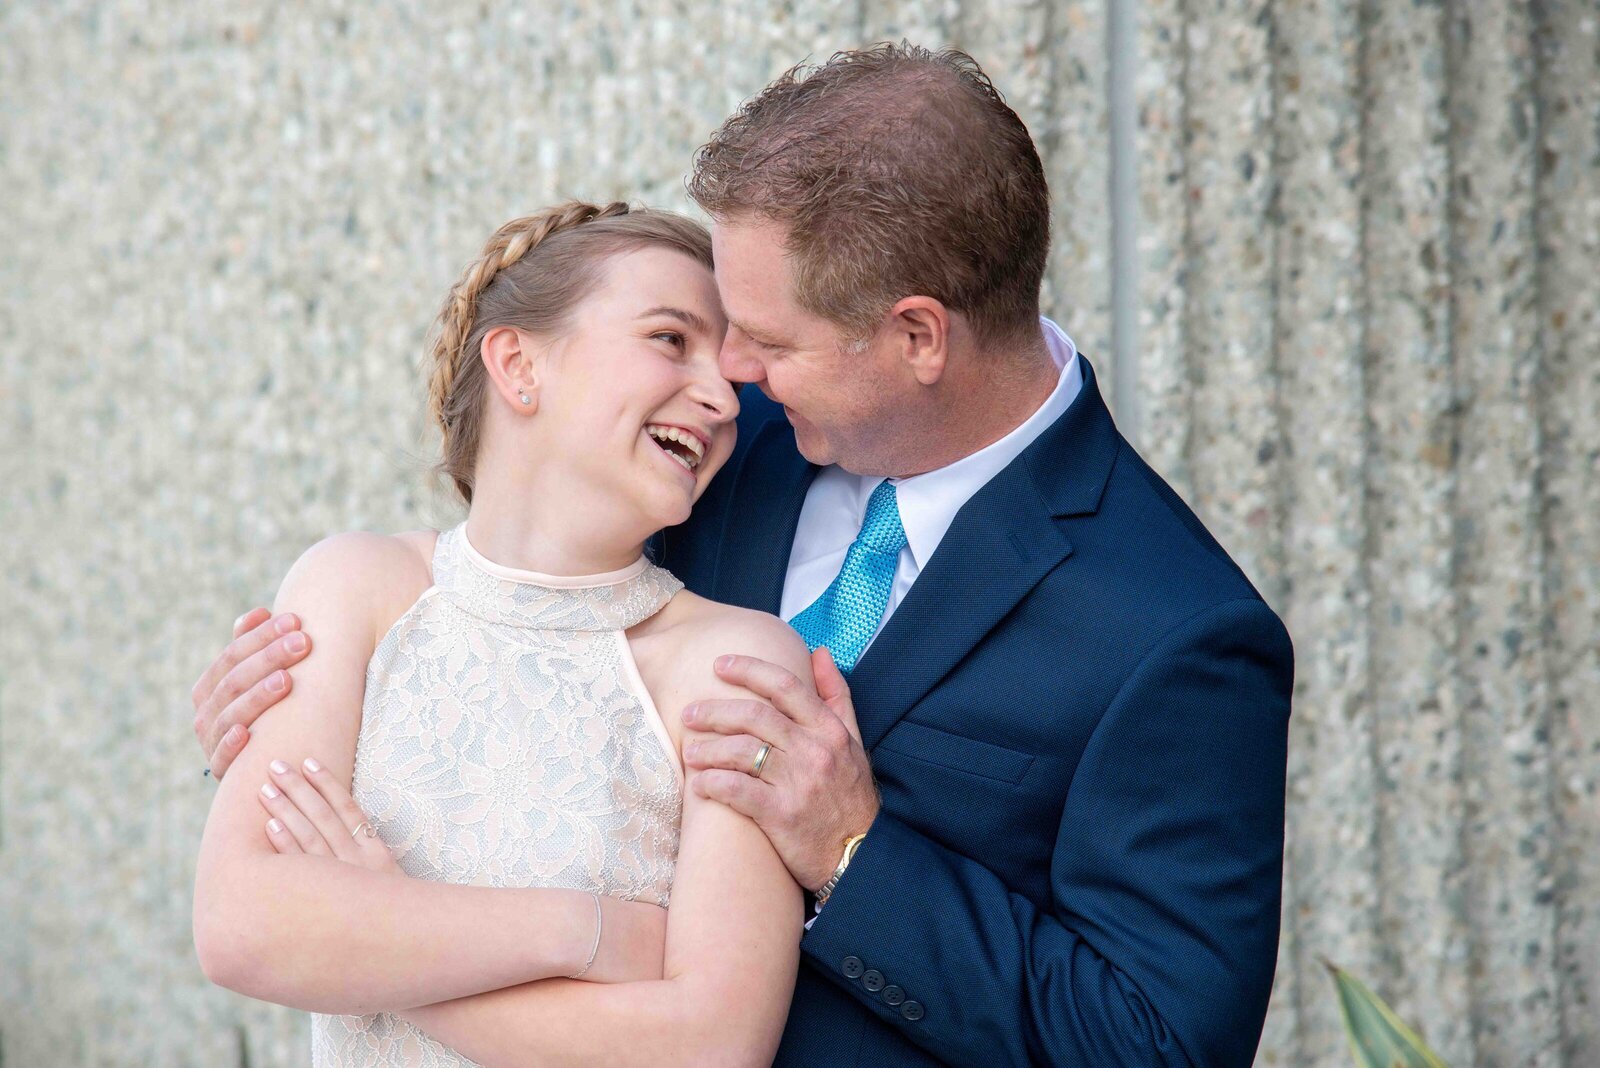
column 733, row 937
column 733, row 934
column 316, row 933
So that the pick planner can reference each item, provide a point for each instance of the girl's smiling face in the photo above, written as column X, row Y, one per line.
column 630, row 395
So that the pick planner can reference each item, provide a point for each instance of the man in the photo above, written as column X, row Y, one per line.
column 1074, row 704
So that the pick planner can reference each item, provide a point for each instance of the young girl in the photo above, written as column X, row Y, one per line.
column 491, row 797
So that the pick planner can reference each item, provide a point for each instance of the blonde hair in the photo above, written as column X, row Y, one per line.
column 531, row 275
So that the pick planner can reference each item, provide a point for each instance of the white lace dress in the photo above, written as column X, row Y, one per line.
column 507, row 740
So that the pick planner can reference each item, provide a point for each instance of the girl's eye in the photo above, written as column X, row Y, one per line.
column 672, row 337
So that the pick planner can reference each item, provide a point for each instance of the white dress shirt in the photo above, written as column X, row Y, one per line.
column 836, row 503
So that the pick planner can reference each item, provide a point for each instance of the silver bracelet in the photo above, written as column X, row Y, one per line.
column 595, row 949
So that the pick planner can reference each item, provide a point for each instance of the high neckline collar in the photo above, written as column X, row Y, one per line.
column 494, row 593
column 540, row 578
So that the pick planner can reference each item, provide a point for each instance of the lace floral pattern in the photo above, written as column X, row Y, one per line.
column 506, row 741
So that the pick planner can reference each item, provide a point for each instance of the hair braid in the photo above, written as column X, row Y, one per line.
column 531, row 275
column 456, row 380
column 508, row 245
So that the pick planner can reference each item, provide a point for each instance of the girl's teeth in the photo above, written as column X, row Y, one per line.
column 682, row 437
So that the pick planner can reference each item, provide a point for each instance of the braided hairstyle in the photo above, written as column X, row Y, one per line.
column 531, row 275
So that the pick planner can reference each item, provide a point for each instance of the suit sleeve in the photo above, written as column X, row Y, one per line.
column 1158, row 943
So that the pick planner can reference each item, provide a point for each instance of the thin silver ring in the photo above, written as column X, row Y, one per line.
column 372, row 832
column 761, row 758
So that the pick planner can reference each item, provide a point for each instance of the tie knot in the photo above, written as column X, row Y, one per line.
column 881, row 530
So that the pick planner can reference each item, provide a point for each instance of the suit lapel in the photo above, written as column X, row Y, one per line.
column 988, row 561
column 761, row 519
column 1002, row 543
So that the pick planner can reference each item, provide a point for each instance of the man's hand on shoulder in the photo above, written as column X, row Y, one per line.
column 248, row 677
column 815, row 787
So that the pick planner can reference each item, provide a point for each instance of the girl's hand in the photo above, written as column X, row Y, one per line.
column 314, row 813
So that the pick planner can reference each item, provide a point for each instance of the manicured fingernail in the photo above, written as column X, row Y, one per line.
column 283, row 624
column 239, row 621
column 276, row 681
column 690, row 713
column 279, row 767
column 269, row 789
column 691, row 750
column 723, row 662
column 295, row 643
column 235, row 735
column 274, row 826
column 312, row 765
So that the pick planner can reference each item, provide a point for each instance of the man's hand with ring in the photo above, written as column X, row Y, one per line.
column 246, row 679
column 815, row 788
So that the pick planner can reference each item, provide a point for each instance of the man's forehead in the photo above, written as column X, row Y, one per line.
column 750, row 235
column 755, row 282
column 748, row 271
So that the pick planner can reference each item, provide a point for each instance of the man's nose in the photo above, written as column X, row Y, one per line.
column 736, row 365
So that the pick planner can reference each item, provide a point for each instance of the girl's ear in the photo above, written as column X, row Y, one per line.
column 512, row 368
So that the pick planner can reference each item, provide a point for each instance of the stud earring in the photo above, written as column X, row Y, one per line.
column 525, row 398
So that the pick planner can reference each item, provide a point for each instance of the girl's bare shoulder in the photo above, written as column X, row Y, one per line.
column 692, row 631
column 375, row 577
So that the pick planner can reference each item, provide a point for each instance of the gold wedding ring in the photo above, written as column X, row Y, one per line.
column 761, row 758
column 372, row 832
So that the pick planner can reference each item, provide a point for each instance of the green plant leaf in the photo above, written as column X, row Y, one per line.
column 1377, row 1035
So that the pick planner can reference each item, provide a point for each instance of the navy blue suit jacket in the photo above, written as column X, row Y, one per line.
column 1078, row 719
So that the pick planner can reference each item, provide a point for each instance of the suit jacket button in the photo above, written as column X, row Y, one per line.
column 852, row 967
column 893, row 995
column 912, row 1010
column 872, row 979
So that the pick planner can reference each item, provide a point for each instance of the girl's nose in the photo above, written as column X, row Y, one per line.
column 718, row 396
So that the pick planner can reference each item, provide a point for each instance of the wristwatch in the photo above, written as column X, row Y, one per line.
column 851, row 844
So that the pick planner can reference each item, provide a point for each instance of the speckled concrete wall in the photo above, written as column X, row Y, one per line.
column 1363, row 338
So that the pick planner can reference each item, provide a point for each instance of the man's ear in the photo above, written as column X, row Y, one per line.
column 508, row 357
column 921, row 328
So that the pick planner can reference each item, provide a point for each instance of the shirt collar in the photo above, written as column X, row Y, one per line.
column 929, row 501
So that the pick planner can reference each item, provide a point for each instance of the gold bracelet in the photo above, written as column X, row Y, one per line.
column 851, row 844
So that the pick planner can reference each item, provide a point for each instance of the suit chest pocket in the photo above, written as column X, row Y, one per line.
column 955, row 752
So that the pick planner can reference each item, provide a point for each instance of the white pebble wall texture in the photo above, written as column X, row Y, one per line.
column 1360, row 253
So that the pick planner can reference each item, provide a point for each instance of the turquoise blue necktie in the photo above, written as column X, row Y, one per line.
column 847, row 614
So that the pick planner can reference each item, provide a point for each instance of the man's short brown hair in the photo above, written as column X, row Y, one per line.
column 896, row 171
